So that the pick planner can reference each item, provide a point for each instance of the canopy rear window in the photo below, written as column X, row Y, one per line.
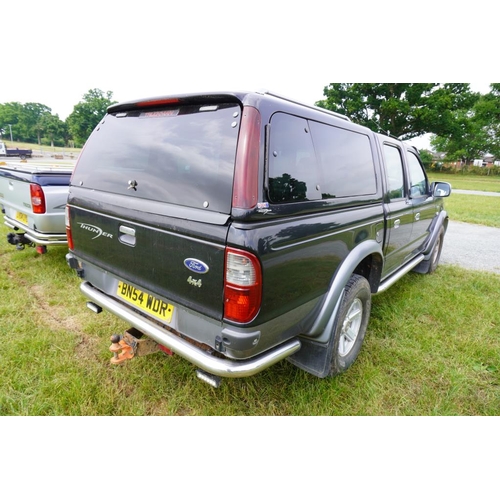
column 183, row 155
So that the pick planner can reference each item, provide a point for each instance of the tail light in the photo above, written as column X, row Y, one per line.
column 68, row 228
column 37, row 199
column 242, row 286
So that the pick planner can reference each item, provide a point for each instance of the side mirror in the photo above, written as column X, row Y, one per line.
column 441, row 189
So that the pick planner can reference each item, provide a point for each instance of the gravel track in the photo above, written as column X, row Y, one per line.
column 472, row 246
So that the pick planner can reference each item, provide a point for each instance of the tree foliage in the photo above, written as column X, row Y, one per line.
column 476, row 132
column 25, row 120
column 87, row 114
column 32, row 122
column 10, row 115
column 487, row 116
column 405, row 110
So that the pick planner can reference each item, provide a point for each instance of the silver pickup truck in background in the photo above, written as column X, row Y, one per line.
column 33, row 198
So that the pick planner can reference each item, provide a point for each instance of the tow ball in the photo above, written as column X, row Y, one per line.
column 19, row 240
column 123, row 348
column 131, row 344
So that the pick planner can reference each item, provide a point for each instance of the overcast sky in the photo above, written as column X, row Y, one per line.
column 62, row 49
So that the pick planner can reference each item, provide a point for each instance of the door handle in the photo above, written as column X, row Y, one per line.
column 127, row 236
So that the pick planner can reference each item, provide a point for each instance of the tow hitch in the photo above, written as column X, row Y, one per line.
column 131, row 344
column 19, row 240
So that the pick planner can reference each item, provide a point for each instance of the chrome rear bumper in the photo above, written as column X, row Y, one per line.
column 222, row 367
column 35, row 236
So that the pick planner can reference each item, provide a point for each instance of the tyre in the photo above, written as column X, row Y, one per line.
column 436, row 252
column 351, row 324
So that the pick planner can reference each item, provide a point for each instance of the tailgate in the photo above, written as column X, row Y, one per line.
column 180, row 261
column 150, row 200
column 15, row 196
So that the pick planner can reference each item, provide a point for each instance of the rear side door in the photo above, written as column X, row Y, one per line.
column 399, row 209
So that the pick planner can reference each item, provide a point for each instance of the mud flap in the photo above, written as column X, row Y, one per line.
column 313, row 357
column 439, row 222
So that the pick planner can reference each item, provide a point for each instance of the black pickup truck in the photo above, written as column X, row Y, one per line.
column 21, row 153
column 240, row 229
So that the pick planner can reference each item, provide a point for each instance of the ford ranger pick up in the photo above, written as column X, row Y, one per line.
column 240, row 229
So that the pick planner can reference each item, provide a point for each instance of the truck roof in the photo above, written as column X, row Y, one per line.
column 208, row 97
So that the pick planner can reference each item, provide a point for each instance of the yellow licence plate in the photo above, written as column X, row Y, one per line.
column 22, row 217
column 145, row 302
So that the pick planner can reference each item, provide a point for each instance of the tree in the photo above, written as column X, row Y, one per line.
column 88, row 113
column 476, row 132
column 426, row 157
column 33, row 116
column 487, row 115
column 10, row 113
column 27, row 121
column 405, row 110
column 464, row 143
column 55, row 131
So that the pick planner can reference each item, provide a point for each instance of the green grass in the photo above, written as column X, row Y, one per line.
column 474, row 209
column 432, row 348
column 468, row 181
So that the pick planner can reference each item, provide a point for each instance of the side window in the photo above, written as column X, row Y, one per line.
column 346, row 161
column 394, row 167
column 293, row 172
column 418, row 179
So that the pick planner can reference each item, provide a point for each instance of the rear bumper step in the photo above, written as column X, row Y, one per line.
column 211, row 364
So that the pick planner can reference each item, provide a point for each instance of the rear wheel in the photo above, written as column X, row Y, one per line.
column 351, row 324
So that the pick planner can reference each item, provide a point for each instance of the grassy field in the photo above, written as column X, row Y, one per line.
column 468, row 181
column 474, row 209
column 432, row 348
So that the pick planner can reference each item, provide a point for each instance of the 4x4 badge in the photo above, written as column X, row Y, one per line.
column 195, row 265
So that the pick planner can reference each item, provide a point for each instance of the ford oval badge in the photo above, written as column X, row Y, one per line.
column 197, row 266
